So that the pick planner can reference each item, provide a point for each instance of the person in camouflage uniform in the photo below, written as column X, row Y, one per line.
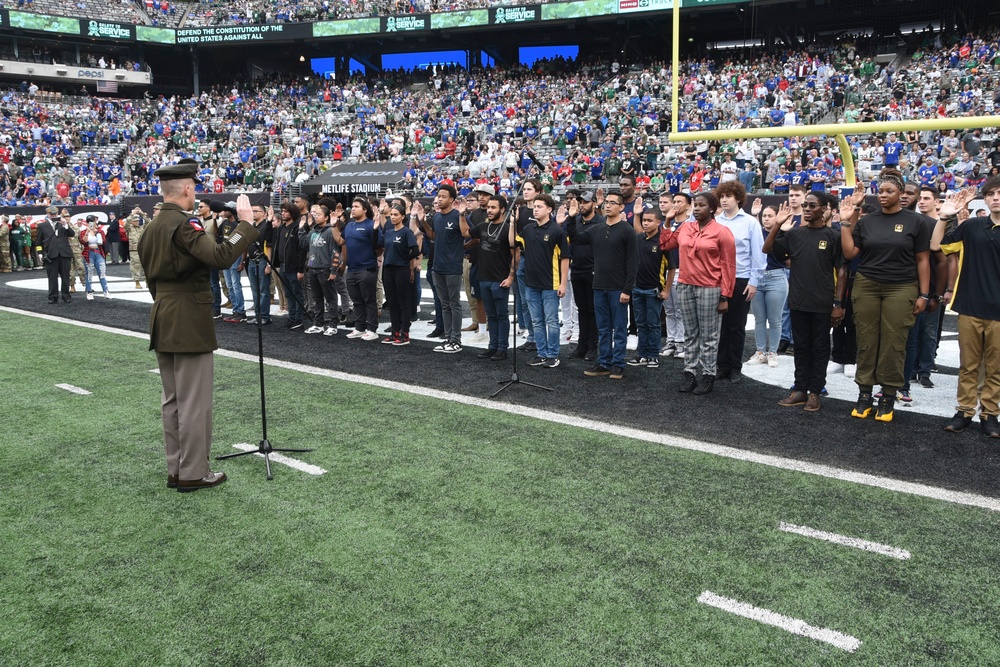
column 135, row 225
column 77, row 269
column 4, row 245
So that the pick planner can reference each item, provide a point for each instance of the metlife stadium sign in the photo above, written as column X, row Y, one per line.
column 357, row 178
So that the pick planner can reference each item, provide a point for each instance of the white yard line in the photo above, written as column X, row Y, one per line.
column 154, row 370
column 74, row 389
column 277, row 457
column 793, row 625
column 831, row 472
column 857, row 543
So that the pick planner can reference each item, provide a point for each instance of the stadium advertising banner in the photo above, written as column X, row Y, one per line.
column 465, row 19
column 355, row 178
column 145, row 33
column 346, row 28
column 406, row 23
column 107, row 30
column 62, row 25
column 630, row 6
column 232, row 34
column 523, row 14
column 555, row 11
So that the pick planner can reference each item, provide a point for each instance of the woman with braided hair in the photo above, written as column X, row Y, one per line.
column 890, row 288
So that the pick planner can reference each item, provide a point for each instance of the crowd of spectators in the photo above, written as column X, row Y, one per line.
column 572, row 123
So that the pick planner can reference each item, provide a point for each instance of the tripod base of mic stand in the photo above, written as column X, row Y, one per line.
column 514, row 379
column 264, row 448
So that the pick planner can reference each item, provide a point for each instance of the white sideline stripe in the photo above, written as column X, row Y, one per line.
column 74, row 389
column 793, row 625
column 857, row 543
column 154, row 370
column 831, row 472
column 277, row 457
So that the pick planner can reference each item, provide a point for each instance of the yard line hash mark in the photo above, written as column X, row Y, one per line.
column 793, row 625
column 74, row 389
column 287, row 460
column 857, row 543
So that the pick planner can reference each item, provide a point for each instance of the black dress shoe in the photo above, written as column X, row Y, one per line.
column 67, row 298
column 486, row 354
column 437, row 333
column 528, row 347
column 735, row 377
column 722, row 374
column 990, row 426
column 580, row 352
column 499, row 356
column 783, row 346
column 208, row 481
column 53, row 300
column 958, row 423
column 171, row 481
column 590, row 356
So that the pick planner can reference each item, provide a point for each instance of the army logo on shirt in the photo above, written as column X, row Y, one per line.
column 899, row 228
column 822, row 245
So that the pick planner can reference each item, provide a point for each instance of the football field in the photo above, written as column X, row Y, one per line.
column 431, row 530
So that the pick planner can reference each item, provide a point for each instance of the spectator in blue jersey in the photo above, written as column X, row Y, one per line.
column 892, row 151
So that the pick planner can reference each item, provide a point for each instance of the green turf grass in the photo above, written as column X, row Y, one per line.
column 441, row 535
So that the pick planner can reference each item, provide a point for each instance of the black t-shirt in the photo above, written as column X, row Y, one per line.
column 495, row 252
column 543, row 249
column 474, row 219
column 397, row 246
column 448, row 243
column 816, row 255
column 653, row 263
column 976, row 293
column 889, row 245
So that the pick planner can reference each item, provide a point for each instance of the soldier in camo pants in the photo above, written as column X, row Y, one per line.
column 135, row 225
column 4, row 245
column 77, row 269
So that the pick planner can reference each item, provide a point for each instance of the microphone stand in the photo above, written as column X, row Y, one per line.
column 514, row 377
column 264, row 447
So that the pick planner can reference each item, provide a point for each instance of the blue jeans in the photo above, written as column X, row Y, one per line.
column 768, row 306
column 295, row 298
column 646, row 305
column 100, row 266
column 524, row 317
column 921, row 346
column 612, row 327
column 786, row 319
column 494, row 300
column 213, row 278
column 232, row 276
column 543, row 304
column 260, row 285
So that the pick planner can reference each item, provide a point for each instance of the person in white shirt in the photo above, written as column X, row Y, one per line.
column 729, row 170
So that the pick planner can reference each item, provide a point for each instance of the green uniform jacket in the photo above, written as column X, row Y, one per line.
column 176, row 255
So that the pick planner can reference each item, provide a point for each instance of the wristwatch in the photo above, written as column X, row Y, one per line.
column 723, row 299
column 837, row 303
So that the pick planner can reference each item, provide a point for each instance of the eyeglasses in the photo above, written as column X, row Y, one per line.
column 810, row 204
column 609, row 202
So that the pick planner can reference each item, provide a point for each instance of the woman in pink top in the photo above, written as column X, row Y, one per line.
column 705, row 284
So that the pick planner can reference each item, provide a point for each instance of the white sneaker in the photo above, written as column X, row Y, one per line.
column 369, row 335
column 314, row 330
column 772, row 359
column 834, row 367
column 281, row 313
column 329, row 331
column 107, row 295
column 452, row 348
column 355, row 334
column 90, row 297
column 757, row 359
column 479, row 338
column 668, row 350
column 850, row 370
column 443, row 347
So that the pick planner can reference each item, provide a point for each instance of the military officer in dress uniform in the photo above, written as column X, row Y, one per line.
column 176, row 255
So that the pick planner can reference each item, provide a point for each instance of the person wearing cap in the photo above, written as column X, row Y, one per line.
column 53, row 238
column 135, row 225
column 176, row 256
